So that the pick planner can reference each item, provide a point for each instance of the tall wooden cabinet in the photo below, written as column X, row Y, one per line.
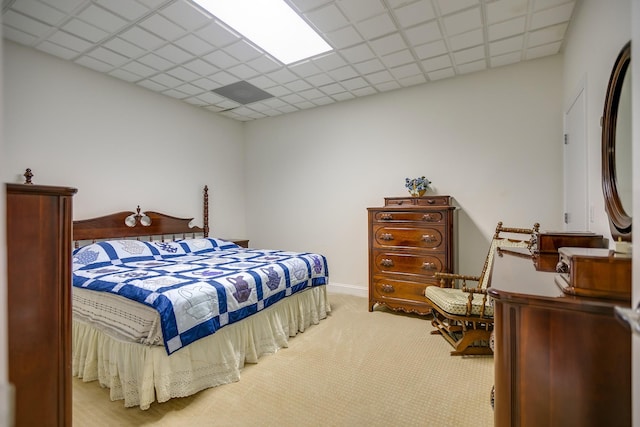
column 39, row 302
column 410, row 238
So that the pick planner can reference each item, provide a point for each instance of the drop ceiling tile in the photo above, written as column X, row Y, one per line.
column 242, row 71
column 463, row 21
column 472, row 67
column 162, row 27
column 194, row 45
column 343, row 73
column 186, row 15
column 183, row 74
column 358, row 53
column 430, row 50
column 506, row 59
column 108, row 56
column 311, row 94
column 282, row 76
column 174, row 93
column 357, row 10
column 124, row 75
column 206, row 84
column 412, row 80
column 292, row 98
column 69, row 41
column 39, row 11
column 376, row 27
column 343, row 96
column 423, row 33
column 328, row 18
column 507, row 45
column 217, row 34
column 125, row 8
column 332, row 89
column 18, row 36
column 173, row 54
column 441, row 74
column 379, row 77
column 437, row 63
column 221, row 59
column 448, row 6
column 544, row 50
column 397, row 58
column 264, row 64
column 547, row 35
column 388, row 44
column 319, row 80
column 223, row 78
column 156, row 62
column 93, row 64
column 467, row 40
column 298, row 85
column 25, row 24
column 503, row 10
column 123, row 47
column 329, row 61
column 243, row 51
column 195, row 101
column 414, row 13
column 370, row 66
column 67, row 6
column 507, row 28
column 343, row 37
column 262, row 82
column 200, row 67
column 278, row 91
column 84, row 30
column 102, row 19
column 365, row 91
column 385, row 87
column 211, row 98
column 142, row 38
column 546, row 4
column 167, row 80
column 469, row 55
column 139, row 69
column 552, row 16
column 305, row 69
column 152, row 85
column 57, row 50
column 305, row 105
column 405, row 71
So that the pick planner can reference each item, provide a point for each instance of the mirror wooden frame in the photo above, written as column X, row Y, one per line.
column 619, row 220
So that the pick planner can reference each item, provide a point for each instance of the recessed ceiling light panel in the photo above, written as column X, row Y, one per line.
column 242, row 92
column 270, row 24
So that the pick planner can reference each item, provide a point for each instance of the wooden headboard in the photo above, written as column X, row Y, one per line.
column 141, row 225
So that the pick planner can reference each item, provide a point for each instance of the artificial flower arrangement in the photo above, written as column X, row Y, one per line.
column 417, row 186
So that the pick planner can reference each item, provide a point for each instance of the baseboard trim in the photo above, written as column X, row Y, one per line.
column 341, row 288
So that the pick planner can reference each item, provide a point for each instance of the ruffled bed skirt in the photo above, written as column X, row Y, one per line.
column 141, row 374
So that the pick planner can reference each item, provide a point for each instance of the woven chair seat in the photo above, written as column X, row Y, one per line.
column 454, row 301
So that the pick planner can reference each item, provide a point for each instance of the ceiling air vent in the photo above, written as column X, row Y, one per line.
column 242, row 92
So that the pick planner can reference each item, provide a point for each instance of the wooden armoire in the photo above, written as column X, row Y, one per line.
column 39, row 245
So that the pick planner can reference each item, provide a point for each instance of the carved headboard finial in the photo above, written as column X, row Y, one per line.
column 27, row 176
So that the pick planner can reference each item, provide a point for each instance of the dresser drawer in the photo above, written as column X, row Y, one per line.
column 385, row 236
column 392, row 290
column 409, row 264
column 417, row 201
column 421, row 217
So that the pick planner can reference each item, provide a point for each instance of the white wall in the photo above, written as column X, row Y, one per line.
column 120, row 145
column 492, row 140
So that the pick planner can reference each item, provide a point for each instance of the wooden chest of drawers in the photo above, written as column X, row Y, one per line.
column 410, row 238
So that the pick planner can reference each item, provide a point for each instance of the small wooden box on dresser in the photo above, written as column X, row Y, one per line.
column 39, row 302
column 410, row 238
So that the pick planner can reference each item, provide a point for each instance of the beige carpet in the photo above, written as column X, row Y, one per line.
column 353, row 369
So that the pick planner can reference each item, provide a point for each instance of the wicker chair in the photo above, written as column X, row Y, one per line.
column 463, row 315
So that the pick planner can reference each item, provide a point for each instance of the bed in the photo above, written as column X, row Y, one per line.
column 162, row 310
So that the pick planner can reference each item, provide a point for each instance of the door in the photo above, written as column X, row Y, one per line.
column 576, row 203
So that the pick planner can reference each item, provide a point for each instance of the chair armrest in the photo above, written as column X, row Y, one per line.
column 447, row 280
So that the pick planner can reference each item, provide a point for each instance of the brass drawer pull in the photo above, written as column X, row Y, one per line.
column 386, row 262
column 387, row 288
column 386, row 236
column 428, row 217
column 428, row 266
column 428, row 238
column 386, row 217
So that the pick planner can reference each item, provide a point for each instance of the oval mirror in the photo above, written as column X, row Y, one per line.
column 616, row 147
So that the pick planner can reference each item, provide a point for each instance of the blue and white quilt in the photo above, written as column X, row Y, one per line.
column 196, row 285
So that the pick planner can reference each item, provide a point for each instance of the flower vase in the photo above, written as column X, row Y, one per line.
column 417, row 193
